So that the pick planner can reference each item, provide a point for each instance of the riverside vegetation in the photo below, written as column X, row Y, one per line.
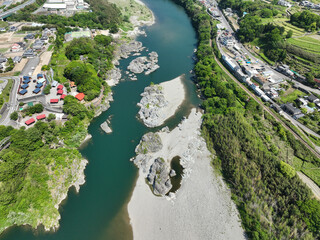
column 253, row 152
column 42, row 162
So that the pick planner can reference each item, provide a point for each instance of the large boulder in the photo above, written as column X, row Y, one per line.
column 159, row 178
column 150, row 143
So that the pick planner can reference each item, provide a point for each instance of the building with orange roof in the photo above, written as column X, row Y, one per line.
column 80, row 96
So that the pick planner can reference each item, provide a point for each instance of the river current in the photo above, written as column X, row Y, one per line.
column 98, row 211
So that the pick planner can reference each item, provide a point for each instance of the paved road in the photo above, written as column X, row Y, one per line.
column 12, row 104
column 15, row 9
column 311, row 184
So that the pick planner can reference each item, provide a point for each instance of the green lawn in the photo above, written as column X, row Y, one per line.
column 290, row 96
column 6, row 93
column 309, row 169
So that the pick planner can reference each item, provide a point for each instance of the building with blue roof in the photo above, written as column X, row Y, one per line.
column 39, row 75
column 26, row 81
column 24, row 86
column 39, row 85
column 26, row 77
column 37, row 90
column 23, row 92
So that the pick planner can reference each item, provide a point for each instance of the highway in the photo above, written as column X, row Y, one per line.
column 15, row 9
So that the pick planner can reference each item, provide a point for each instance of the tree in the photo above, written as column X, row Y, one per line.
column 47, row 89
column 51, row 117
column 14, row 116
column 289, row 34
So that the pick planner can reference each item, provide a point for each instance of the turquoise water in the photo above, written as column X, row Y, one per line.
column 110, row 176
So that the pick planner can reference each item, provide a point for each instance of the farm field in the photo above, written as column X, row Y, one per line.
column 306, row 43
column 284, row 22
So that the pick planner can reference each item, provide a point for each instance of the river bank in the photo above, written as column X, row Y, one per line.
column 200, row 209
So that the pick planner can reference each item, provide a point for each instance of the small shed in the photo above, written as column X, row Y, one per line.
column 37, row 90
column 41, row 80
column 30, row 121
column 23, row 92
column 26, row 77
column 39, row 85
column 60, row 87
column 40, row 117
column 60, row 92
column 39, row 75
column 54, row 100
column 26, row 81
column 24, row 86
column 63, row 96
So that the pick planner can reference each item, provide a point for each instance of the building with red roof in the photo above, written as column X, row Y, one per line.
column 54, row 100
column 40, row 117
column 60, row 87
column 30, row 121
column 80, row 96
column 62, row 96
column 60, row 92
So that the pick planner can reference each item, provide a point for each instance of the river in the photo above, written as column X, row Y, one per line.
column 110, row 176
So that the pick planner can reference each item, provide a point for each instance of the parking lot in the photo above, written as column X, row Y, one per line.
column 30, row 87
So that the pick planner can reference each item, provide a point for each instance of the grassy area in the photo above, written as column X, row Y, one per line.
column 306, row 43
column 58, row 63
column 3, row 50
column 4, row 96
column 291, row 94
column 3, row 24
column 130, row 8
column 307, row 168
column 284, row 22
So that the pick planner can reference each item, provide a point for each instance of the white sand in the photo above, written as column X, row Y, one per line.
column 174, row 92
column 202, row 208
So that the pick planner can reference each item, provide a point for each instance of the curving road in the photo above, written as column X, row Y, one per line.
column 15, row 9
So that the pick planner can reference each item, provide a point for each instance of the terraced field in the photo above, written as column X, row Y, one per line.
column 284, row 22
column 306, row 43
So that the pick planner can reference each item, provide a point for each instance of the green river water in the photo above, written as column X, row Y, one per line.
column 98, row 211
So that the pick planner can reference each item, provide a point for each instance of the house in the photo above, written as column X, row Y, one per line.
column 72, row 84
column 30, row 121
column 289, row 108
column 80, row 96
column 3, row 59
column 28, row 53
column 276, row 108
column 41, row 80
column 313, row 98
column 60, row 92
column 303, row 101
column 26, row 78
column 54, row 100
column 38, row 45
column 39, row 75
column 15, row 47
column 22, row 44
column 40, row 117
column 29, row 36
column 2, row 29
column 17, row 59
column 60, row 87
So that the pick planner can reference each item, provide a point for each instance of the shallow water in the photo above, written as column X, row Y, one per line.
column 99, row 210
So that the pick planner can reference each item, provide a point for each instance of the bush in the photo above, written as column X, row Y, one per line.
column 14, row 116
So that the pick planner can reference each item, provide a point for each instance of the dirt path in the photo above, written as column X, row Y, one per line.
column 311, row 184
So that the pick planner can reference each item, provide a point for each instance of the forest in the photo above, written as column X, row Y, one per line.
column 248, row 143
column 104, row 15
column 306, row 19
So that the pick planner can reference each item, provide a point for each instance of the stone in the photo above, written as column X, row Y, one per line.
column 150, row 142
column 147, row 64
column 105, row 127
column 127, row 48
column 172, row 173
column 158, row 177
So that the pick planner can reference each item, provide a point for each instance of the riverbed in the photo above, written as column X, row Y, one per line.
column 99, row 210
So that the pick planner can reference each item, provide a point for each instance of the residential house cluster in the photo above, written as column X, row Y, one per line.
column 310, row 4
column 284, row 3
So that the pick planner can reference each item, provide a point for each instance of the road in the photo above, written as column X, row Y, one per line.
column 30, row 66
column 15, row 9
column 311, row 184
column 12, row 104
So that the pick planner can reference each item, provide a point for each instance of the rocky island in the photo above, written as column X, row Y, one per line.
column 185, row 214
column 160, row 101
column 144, row 63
